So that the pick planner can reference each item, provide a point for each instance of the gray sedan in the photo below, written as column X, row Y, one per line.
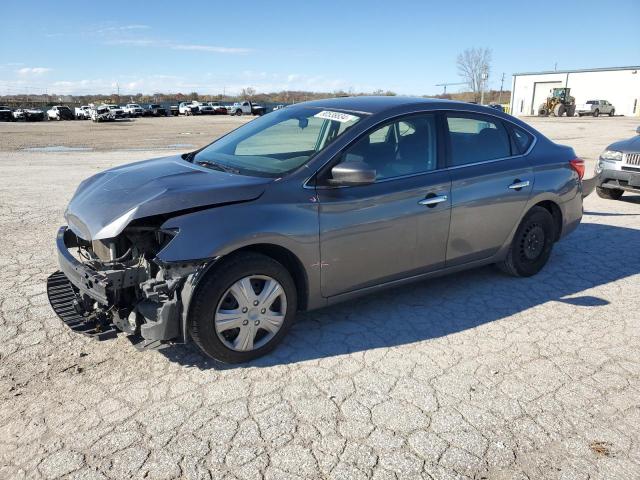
column 305, row 207
column 618, row 169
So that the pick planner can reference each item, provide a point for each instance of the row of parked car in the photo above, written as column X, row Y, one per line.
column 27, row 114
column 109, row 112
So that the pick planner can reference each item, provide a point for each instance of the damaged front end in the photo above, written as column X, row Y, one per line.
column 118, row 285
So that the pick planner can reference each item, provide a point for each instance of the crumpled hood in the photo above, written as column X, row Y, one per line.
column 631, row 145
column 106, row 203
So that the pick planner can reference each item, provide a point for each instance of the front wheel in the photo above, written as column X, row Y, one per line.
column 238, row 113
column 609, row 193
column 559, row 110
column 531, row 245
column 612, row 113
column 243, row 309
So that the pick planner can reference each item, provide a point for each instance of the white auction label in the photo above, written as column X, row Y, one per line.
column 337, row 116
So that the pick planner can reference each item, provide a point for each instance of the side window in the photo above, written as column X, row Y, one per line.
column 380, row 135
column 399, row 148
column 521, row 140
column 476, row 138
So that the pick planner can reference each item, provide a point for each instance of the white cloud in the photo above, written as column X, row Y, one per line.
column 146, row 42
column 121, row 28
column 210, row 48
column 33, row 71
column 229, row 82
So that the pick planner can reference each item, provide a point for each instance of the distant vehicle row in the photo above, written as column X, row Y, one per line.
column 107, row 112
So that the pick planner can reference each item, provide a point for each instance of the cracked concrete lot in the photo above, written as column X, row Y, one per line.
column 475, row 375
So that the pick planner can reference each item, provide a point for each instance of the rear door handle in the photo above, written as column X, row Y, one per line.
column 518, row 185
column 433, row 201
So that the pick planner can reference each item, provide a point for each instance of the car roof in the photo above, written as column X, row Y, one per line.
column 378, row 104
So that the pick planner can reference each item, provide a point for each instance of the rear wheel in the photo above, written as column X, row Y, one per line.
column 531, row 245
column 596, row 113
column 244, row 309
column 609, row 193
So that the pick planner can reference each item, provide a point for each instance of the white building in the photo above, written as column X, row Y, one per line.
column 619, row 85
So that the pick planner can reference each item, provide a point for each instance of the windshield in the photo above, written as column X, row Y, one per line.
column 277, row 143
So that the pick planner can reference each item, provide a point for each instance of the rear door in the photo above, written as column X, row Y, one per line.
column 490, row 185
column 396, row 226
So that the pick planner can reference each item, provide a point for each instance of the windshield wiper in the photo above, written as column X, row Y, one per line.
column 218, row 166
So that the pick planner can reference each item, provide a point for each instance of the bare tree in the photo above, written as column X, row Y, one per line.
column 248, row 92
column 474, row 65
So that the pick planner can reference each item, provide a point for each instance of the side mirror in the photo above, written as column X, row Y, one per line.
column 352, row 172
column 638, row 130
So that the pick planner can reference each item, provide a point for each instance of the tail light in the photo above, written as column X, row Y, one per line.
column 578, row 165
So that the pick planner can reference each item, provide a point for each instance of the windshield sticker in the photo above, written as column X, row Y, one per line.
column 337, row 116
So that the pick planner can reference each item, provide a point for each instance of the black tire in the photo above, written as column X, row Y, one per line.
column 543, row 112
column 596, row 112
column 612, row 113
column 238, row 113
column 609, row 193
column 531, row 245
column 209, row 295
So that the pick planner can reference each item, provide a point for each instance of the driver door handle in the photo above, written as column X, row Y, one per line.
column 518, row 185
column 433, row 201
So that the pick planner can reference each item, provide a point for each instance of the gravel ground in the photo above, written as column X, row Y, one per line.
column 473, row 375
column 131, row 134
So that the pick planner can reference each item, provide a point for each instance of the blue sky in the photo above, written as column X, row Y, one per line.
column 211, row 47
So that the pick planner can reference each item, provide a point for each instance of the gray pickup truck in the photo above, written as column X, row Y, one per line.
column 595, row 108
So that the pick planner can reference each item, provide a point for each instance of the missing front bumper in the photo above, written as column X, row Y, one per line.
column 64, row 300
column 103, row 303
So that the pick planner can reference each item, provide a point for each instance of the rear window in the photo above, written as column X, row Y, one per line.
column 592, row 102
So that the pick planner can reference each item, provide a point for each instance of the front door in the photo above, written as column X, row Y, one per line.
column 394, row 227
column 490, row 185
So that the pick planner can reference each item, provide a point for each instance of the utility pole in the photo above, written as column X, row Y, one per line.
column 483, row 79
column 501, row 85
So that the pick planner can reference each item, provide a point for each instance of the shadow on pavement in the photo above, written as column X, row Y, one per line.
column 593, row 255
